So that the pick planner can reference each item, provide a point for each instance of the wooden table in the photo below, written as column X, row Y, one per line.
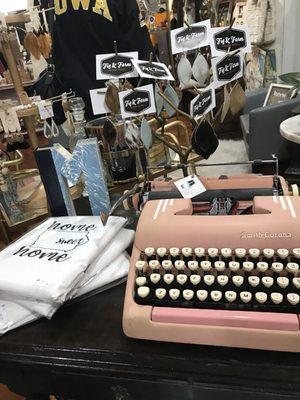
column 82, row 353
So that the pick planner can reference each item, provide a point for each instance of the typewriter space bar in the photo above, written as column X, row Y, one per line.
column 240, row 319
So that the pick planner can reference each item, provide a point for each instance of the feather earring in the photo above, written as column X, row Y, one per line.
column 184, row 70
column 200, row 69
column 31, row 44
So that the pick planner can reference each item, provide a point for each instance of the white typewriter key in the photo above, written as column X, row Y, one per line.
column 245, row 297
column 193, row 265
column 174, row 251
column 296, row 253
column 261, row 297
column 202, row 295
column 283, row 282
column 155, row 278
column 276, row 298
column 226, row 253
column 219, row 265
column 187, row 251
column 254, row 253
column 167, row 265
column 240, row 252
column 267, row 281
column 253, row 281
column 179, row 265
column 174, row 294
column 141, row 281
column 161, row 251
column 222, row 280
column 277, row 267
column 293, row 298
column 143, row 291
column 292, row 267
column 149, row 251
column 199, row 251
column 248, row 266
column 216, row 295
column 209, row 279
column 282, row 253
column 141, row 265
column 181, row 279
column 296, row 282
column 205, row 265
column 168, row 278
column 262, row 266
column 154, row 264
column 269, row 253
column 230, row 296
column 195, row 279
column 160, row 293
column 237, row 280
column 188, row 294
column 212, row 252
column 234, row 266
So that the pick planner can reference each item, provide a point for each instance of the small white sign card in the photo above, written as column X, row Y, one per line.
column 45, row 109
column 204, row 102
column 192, row 37
column 227, row 68
column 109, row 66
column 190, row 186
column 98, row 101
column 234, row 38
column 152, row 70
column 139, row 101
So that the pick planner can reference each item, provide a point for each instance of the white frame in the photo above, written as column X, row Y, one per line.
column 281, row 86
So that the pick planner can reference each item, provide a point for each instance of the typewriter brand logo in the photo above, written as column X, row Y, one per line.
column 266, row 235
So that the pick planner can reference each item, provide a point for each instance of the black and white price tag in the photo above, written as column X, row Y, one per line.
column 227, row 68
column 45, row 109
column 139, row 101
column 203, row 103
column 109, row 66
column 192, row 37
column 229, row 39
column 152, row 70
column 190, row 186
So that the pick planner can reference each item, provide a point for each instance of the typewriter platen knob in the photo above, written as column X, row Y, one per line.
column 296, row 253
column 254, row 253
column 186, row 251
column 226, row 253
column 269, row 253
column 174, row 251
column 240, row 253
column 213, row 252
column 161, row 251
column 149, row 251
column 200, row 251
column 282, row 253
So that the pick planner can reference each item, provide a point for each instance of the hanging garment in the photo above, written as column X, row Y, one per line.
column 84, row 28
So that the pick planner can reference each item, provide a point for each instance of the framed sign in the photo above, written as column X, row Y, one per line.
column 278, row 93
column 109, row 66
column 203, row 103
column 152, row 70
column 192, row 37
column 139, row 101
column 225, row 39
column 227, row 68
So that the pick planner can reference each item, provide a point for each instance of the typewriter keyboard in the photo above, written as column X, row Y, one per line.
column 232, row 279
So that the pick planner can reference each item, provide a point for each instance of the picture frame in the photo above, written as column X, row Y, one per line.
column 278, row 93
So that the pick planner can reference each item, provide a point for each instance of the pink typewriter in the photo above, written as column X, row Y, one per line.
column 225, row 279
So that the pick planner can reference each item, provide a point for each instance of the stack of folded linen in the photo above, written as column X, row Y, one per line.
column 61, row 259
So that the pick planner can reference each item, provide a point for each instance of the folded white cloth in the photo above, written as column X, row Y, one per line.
column 13, row 315
column 48, row 262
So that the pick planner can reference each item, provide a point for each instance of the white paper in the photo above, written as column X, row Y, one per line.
column 190, row 186
column 45, row 109
column 230, row 42
column 125, row 98
column 154, row 71
column 191, row 41
column 98, row 101
column 196, row 103
column 102, row 72
column 217, row 69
